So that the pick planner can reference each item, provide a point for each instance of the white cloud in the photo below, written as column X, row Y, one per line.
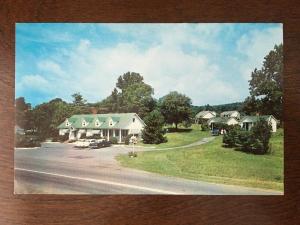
column 255, row 46
column 180, row 57
column 50, row 66
column 165, row 67
column 35, row 82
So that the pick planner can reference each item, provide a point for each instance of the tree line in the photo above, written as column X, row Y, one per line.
column 131, row 94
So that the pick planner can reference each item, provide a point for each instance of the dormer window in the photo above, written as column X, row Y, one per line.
column 97, row 123
column 67, row 123
column 111, row 122
column 84, row 123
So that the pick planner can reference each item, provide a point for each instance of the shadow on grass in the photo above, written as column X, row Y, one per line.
column 247, row 151
column 178, row 130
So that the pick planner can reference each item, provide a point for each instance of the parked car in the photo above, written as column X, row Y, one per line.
column 215, row 132
column 84, row 143
column 102, row 143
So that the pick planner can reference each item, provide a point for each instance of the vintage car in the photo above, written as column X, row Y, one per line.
column 101, row 143
column 84, row 143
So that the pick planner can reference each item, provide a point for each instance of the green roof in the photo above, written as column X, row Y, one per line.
column 119, row 120
column 220, row 119
column 254, row 119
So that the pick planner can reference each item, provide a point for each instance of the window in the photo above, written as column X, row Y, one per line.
column 97, row 123
column 83, row 123
column 67, row 123
column 133, row 119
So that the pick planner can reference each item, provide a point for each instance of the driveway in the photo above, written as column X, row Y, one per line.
column 57, row 168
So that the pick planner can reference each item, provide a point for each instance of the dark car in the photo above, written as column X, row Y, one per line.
column 100, row 144
column 215, row 132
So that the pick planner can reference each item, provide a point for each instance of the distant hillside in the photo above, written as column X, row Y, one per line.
column 218, row 108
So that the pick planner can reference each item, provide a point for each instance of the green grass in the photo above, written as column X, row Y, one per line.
column 214, row 163
column 182, row 138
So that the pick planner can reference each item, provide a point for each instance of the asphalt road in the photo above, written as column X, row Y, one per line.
column 62, row 169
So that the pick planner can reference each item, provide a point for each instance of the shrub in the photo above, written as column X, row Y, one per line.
column 262, row 132
column 27, row 141
column 187, row 123
column 132, row 154
column 61, row 138
column 245, row 140
column 204, row 127
column 127, row 139
column 256, row 140
column 114, row 140
column 230, row 139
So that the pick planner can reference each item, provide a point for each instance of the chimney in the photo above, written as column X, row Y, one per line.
column 93, row 110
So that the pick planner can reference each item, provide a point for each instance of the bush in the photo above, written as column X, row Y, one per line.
column 255, row 141
column 27, row 141
column 204, row 127
column 132, row 154
column 230, row 138
column 187, row 123
column 245, row 140
column 127, row 139
column 262, row 132
column 61, row 138
column 113, row 140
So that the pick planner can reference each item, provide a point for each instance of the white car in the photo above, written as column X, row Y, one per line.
column 84, row 143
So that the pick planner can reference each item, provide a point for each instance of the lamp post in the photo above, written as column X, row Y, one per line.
column 133, row 140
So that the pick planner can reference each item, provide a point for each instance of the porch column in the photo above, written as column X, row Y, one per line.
column 120, row 135
column 114, row 133
column 108, row 134
column 101, row 133
column 70, row 135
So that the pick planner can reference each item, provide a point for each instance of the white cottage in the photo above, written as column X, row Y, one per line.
column 204, row 115
column 117, row 125
column 224, row 120
column 247, row 122
column 230, row 114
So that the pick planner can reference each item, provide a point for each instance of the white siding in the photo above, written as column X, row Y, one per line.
column 208, row 116
column 135, row 127
column 232, row 121
column 273, row 124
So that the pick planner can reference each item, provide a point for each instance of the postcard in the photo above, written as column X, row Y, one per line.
column 149, row 108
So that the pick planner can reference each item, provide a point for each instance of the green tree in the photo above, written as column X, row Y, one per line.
column 113, row 102
column 176, row 108
column 266, row 91
column 262, row 132
column 78, row 99
column 23, row 113
column 79, row 105
column 131, row 94
column 128, row 79
column 138, row 98
column 153, row 132
column 47, row 116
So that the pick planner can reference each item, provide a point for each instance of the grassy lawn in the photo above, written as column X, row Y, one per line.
column 184, row 137
column 214, row 163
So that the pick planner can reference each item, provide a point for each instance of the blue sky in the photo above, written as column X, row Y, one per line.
column 210, row 63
